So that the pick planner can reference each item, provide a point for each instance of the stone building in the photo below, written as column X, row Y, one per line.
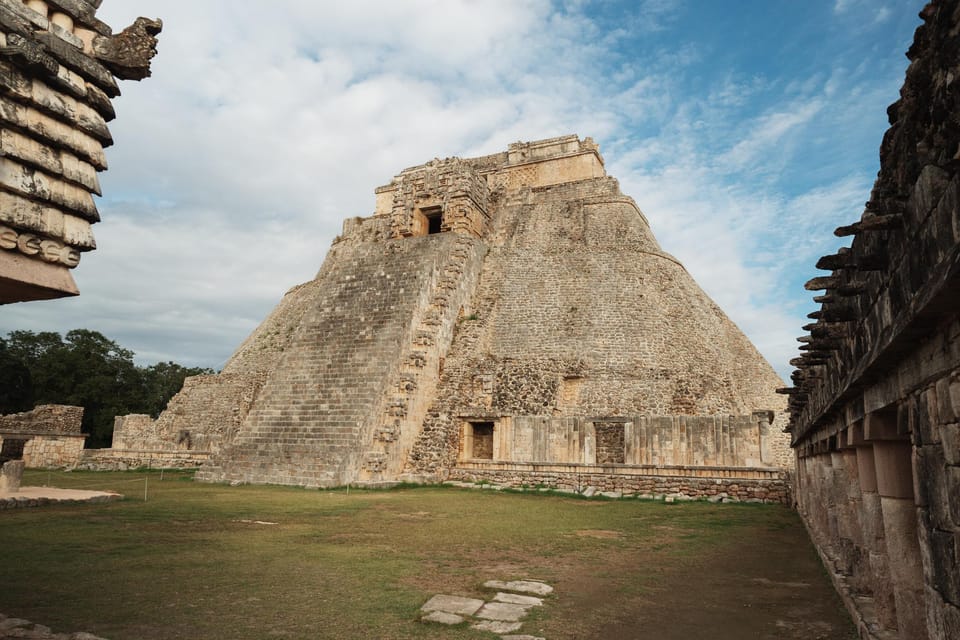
column 508, row 318
column 875, row 407
column 58, row 70
column 47, row 436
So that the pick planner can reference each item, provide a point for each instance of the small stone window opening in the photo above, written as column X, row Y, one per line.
column 482, row 440
column 434, row 216
column 611, row 448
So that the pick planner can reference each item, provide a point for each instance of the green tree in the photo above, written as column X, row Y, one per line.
column 16, row 385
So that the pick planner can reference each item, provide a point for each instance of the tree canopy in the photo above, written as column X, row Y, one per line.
column 86, row 369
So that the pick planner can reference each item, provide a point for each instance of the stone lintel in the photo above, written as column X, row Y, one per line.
column 880, row 425
column 23, row 279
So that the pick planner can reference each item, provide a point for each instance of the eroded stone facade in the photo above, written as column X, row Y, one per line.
column 58, row 71
column 48, row 436
column 512, row 309
column 875, row 410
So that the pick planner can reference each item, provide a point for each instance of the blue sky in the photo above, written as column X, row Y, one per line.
column 746, row 132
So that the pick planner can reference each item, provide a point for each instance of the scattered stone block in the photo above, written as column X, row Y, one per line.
column 497, row 626
column 502, row 611
column 513, row 598
column 520, row 586
column 442, row 617
column 589, row 492
column 611, row 494
column 453, row 604
column 11, row 475
column 521, row 637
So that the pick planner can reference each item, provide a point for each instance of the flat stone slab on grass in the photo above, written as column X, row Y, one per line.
column 513, row 598
column 523, row 637
column 520, row 586
column 497, row 626
column 453, row 604
column 442, row 617
column 502, row 611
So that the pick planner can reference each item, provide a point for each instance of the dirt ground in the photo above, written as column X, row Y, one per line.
column 769, row 586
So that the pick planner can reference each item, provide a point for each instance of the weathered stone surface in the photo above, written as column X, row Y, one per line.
column 502, row 611
column 10, row 476
column 453, row 604
column 523, row 601
column 886, row 518
column 497, row 626
column 128, row 53
column 521, row 586
column 47, row 436
column 54, row 103
column 477, row 322
column 442, row 617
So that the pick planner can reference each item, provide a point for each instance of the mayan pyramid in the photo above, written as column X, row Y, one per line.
column 512, row 307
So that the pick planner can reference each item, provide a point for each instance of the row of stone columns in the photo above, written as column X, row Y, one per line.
column 855, row 491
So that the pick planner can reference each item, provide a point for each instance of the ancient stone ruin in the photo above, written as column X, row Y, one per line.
column 875, row 407
column 48, row 436
column 58, row 71
column 508, row 318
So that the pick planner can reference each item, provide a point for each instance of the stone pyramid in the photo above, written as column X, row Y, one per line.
column 512, row 307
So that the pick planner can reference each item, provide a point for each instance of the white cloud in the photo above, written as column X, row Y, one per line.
column 266, row 124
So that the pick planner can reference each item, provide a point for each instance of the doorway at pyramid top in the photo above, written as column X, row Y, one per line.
column 438, row 197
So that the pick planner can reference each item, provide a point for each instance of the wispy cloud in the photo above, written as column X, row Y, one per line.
column 263, row 127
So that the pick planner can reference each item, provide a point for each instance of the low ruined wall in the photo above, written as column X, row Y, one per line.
column 46, row 418
column 731, row 484
column 49, row 435
column 53, row 451
column 201, row 418
column 124, row 459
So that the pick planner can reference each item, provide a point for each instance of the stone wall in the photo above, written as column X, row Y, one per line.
column 710, row 441
column 47, row 436
column 58, row 70
column 45, row 418
column 875, row 407
column 579, row 312
column 685, row 483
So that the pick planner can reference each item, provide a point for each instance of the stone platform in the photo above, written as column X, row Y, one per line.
column 40, row 496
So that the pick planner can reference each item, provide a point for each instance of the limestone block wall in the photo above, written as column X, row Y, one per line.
column 876, row 399
column 45, row 418
column 58, row 70
column 580, row 313
column 692, row 483
column 712, row 441
column 201, row 419
column 53, row 451
column 47, row 436
column 316, row 416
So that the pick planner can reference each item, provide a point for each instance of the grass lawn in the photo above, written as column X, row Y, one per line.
column 211, row 561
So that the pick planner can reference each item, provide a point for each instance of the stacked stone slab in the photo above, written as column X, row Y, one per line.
column 497, row 311
column 875, row 406
column 58, row 70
